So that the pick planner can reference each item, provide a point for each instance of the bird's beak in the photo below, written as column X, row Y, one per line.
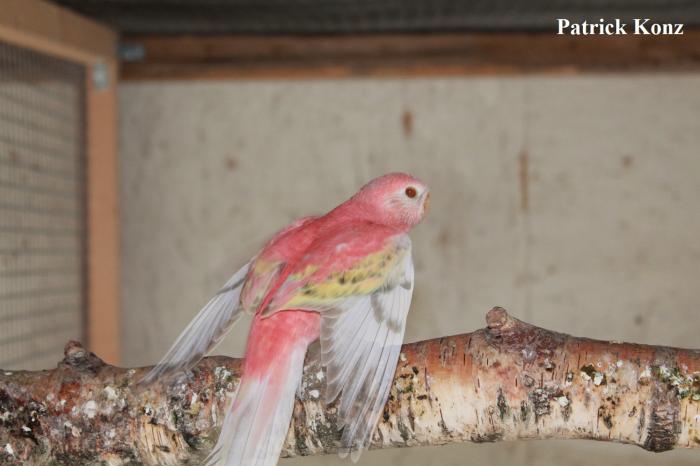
column 426, row 202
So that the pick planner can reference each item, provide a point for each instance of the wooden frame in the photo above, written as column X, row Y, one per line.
column 225, row 57
column 47, row 28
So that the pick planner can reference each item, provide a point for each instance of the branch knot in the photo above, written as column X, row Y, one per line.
column 76, row 356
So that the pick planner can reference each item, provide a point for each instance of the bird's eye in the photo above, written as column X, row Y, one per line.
column 411, row 192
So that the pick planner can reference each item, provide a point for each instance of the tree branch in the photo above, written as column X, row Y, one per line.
column 508, row 381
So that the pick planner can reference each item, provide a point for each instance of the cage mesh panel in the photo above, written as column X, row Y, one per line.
column 42, row 214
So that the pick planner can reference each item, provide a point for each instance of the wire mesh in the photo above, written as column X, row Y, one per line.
column 42, row 211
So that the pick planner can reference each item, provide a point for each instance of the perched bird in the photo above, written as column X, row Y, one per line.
column 345, row 278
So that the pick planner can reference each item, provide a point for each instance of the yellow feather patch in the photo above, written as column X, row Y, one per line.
column 256, row 286
column 307, row 272
column 363, row 278
column 263, row 266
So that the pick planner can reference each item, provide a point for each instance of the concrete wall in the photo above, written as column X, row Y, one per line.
column 571, row 201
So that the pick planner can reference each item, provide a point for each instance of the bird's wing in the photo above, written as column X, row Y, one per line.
column 360, row 344
column 363, row 315
column 241, row 292
column 204, row 332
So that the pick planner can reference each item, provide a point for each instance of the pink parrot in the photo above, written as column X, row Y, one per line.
column 345, row 278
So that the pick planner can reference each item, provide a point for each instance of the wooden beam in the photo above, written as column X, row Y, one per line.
column 56, row 31
column 224, row 57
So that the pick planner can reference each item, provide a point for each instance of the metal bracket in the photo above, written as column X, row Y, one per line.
column 100, row 76
column 131, row 52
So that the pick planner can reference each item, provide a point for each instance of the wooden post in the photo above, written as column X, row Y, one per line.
column 102, row 209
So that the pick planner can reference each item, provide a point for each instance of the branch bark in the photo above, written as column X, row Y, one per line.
column 508, row 381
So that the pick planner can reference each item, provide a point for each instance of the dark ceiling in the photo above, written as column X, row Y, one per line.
column 367, row 16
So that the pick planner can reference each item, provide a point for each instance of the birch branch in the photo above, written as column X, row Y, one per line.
column 508, row 381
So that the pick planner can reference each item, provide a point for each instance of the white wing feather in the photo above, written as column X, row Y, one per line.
column 360, row 344
column 204, row 332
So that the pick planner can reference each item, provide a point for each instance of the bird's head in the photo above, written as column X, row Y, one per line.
column 396, row 199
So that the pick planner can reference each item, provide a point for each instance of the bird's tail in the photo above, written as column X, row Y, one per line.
column 257, row 421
